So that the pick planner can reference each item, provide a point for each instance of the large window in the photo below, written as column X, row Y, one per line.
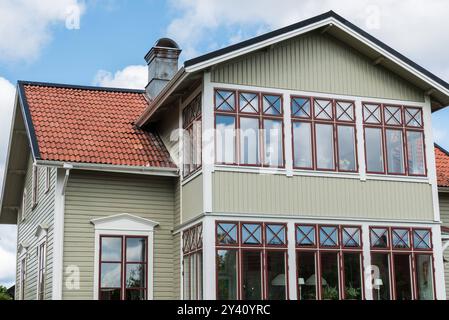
column 249, row 128
column 123, row 267
column 394, row 139
column 251, row 261
column 402, row 263
column 191, row 119
column 329, row 262
column 323, row 134
column 192, row 246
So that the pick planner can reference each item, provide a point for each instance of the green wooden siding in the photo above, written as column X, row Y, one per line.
column 444, row 213
column 254, row 193
column 318, row 63
column 93, row 195
column 192, row 198
column 43, row 213
column 177, row 244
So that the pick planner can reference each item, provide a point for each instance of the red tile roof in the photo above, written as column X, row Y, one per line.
column 442, row 164
column 92, row 125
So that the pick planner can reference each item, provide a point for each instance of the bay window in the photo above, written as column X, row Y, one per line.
column 394, row 139
column 329, row 262
column 251, row 261
column 123, row 268
column 323, row 133
column 249, row 128
column 402, row 260
column 191, row 118
column 192, row 245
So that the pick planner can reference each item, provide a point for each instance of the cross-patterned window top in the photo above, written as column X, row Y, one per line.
column 329, row 236
column 323, row 109
column 400, row 238
column 392, row 115
column 192, row 239
column 251, row 234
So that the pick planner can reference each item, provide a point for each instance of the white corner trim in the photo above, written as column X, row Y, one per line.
column 124, row 224
column 208, row 141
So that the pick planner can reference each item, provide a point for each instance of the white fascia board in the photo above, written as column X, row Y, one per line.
column 294, row 33
column 156, row 171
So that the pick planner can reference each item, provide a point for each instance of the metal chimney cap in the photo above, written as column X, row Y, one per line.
column 166, row 43
column 165, row 47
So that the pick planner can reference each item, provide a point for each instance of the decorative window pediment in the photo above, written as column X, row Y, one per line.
column 123, row 222
column 41, row 231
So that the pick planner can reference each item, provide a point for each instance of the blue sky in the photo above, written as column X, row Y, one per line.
column 114, row 35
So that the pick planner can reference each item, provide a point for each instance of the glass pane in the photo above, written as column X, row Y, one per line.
column 374, row 150
column 227, row 233
column 187, row 150
column 275, row 234
column 186, row 277
column 136, row 249
column 371, row 113
column 227, row 274
column 345, row 111
column 135, row 275
column 305, row 236
column 395, row 151
column 307, row 280
column 276, row 277
column 135, row 294
column 199, row 257
column 413, row 117
column 111, row 275
column 346, row 148
column 193, row 277
column 251, row 233
column 421, row 239
column 400, row 238
column 351, row 237
column 224, row 100
column 323, row 109
column 403, row 282
column 424, row 275
column 274, row 153
column 415, row 153
column 110, row 294
column 393, row 115
column 225, row 139
column 251, row 275
column 249, row 140
column 301, row 107
column 381, row 276
column 111, row 249
column 302, row 144
column 324, row 146
column 329, row 276
column 379, row 238
column 249, row 102
column 272, row 105
column 352, row 276
column 329, row 236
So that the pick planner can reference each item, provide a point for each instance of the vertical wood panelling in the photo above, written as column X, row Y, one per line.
column 444, row 213
column 192, row 198
column 318, row 63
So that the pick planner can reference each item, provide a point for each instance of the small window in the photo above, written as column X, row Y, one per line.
column 421, row 239
column 395, row 151
column 351, row 237
column 374, row 150
column 251, row 233
column 345, row 111
column 379, row 238
column 324, row 146
column 227, row 234
column 305, row 236
column 413, row 117
column 371, row 113
column 302, row 145
column 225, row 139
column 393, row 115
column 328, row 236
column 273, row 137
column 224, row 100
column 323, row 109
column 35, row 185
column 275, row 234
column 346, row 148
column 248, row 102
column 415, row 153
column 301, row 107
column 401, row 238
column 272, row 105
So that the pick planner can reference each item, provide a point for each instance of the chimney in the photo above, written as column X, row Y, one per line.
column 162, row 62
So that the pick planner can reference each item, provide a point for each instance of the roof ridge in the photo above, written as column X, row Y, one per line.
column 79, row 87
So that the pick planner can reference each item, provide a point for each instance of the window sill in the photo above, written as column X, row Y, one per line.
column 249, row 169
column 371, row 176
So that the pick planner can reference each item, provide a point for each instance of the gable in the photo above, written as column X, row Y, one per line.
column 319, row 63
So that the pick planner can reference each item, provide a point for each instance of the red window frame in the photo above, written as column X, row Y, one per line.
column 123, row 263
column 192, row 248
column 190, row 121
column 410, row 251
column 404, row 127
column 335, row 121
column 263, row 248
column 260, row 115
column 340, row 249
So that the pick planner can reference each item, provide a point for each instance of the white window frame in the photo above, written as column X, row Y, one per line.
column 41, row 234
column 24, row 204
column 23, row 257
column 124, row 225
column 47, row 179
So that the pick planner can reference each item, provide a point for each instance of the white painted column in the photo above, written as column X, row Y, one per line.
column 288, row 144
column 439, row 263
column 208, row 151
column 209, row 261
column 367, row 262
column 360, row 139
column 58, row 235
column 293, row 281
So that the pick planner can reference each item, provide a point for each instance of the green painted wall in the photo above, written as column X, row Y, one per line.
column 318, row 63
column 192, row 198
column 444, row 213
column 92, row 195
column 254, row 193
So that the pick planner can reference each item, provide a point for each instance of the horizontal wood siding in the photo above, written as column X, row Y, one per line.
column 317, row 63
column 192, row 198
column 43, row 213
column 93, row 195
column 320, row 196
column 177, row 244
column 444, row 213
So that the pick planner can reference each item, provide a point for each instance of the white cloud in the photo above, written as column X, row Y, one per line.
column 7, row 255
column 25, row 25
column 133, row 77
column 413, row 27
